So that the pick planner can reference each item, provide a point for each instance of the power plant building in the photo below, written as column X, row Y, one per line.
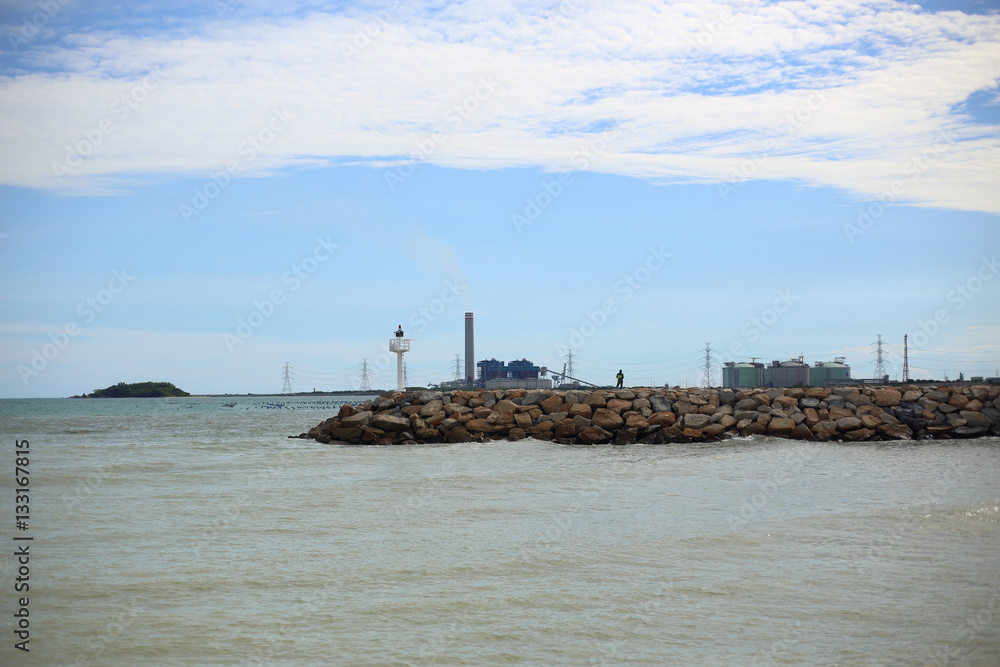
column 744, row 374
column 791, row 373
column 824, row 373
column 495, row 374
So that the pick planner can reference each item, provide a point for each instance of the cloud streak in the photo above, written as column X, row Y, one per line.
column 692, row 90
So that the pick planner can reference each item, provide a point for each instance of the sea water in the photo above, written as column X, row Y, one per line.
column 194, row 531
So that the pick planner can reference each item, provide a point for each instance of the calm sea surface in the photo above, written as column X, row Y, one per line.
column 186, row 531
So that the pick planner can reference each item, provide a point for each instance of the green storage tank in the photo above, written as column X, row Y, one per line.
column 823, row 371
column 742, row 374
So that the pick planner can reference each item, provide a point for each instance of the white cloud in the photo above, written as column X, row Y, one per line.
column 694, row 90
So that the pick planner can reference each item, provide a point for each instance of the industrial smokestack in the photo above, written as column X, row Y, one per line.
column 470, row 352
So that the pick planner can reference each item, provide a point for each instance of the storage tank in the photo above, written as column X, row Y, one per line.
column 791, row 373
column 742, row 374
column 824, row 371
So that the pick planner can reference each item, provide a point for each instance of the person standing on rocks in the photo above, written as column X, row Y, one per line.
column 621, row 378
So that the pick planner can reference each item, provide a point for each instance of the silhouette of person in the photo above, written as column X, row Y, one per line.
column 621, row 378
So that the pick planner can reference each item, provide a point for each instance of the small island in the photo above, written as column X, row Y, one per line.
column 137, row 390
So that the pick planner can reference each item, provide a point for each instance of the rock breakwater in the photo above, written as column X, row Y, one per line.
column 656, row 416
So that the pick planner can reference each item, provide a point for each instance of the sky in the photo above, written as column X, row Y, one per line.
column 204, row 192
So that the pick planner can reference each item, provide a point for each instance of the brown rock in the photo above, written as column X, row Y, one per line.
column 695, row 420
column 665, row 419
column 824, row 429
column 812, row 417
column 781, row 427
column 480, row 425
column 817, row 392
column 427, row 434
column 504, row 406
column 887, row 398
column 959, row 401
column 801, row 432
column 753, row 429
column 346, row 434
column 389, row 422
column 516, row 434
column 346, row 410
column 551, row 404
column 846, row 424
column 619, row 405
column 593, row 435
column 895, row 432
column 870, row 421
column 460, row 435
column 782, row 402
column 606, row 419
column 581, row 410
column 712, row 430
column 859, row 434
column 596, row 400
column 692, row 433
column 565, row 431
column 522, row 420
column 636, row 421
column 840, row 413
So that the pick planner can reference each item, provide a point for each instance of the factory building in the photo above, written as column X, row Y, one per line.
column 825, row 373
column 791, row 373
column 495, row 374
column 742, row 375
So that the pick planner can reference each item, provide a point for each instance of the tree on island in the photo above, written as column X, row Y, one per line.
column 139, row 390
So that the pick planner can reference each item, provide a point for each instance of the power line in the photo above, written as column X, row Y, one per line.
column 366, row 384
column 879, row 365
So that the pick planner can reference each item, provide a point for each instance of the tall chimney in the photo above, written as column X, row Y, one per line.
column 470, row 352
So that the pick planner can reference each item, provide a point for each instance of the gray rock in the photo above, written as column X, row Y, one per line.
column 695, row 420
column 809, row 402
column 389, row 422
column 660, row 404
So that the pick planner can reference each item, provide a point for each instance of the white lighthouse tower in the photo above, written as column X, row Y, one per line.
column 399, row 345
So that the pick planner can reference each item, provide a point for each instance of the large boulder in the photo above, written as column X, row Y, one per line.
column 895, row 431
column 695, row 420
column 358, row 419
column 606, row 419
column 887, row 398
column 847, row 424
column 593, row 435
column 386, row 422
column 660, row 404
column 781, row 427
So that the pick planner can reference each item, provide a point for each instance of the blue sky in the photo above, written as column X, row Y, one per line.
column 203, row 193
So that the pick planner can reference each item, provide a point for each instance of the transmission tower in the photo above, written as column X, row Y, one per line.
column 879, row 364
column 286, row 388
column 458, row 368
column 366, row 384
column 708, row 365
column 569, row 364
column 906, row 360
